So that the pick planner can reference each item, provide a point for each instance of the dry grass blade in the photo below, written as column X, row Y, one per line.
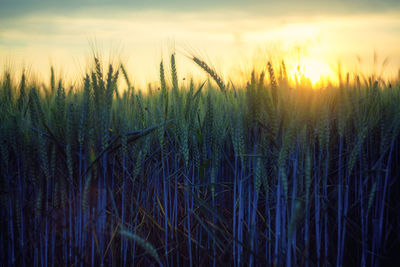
column 143, row 243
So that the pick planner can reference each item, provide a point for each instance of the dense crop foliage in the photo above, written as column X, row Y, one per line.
column 191, row 174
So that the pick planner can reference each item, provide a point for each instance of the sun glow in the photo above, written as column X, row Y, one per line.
column 314, row 70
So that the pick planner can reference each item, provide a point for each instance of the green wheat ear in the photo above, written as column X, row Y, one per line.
column 371, row 196
column 211, row 72
column 162, row 77
column 52, row 80
column 259, row 173
column 297, row 215
column 273, row 83
column 22, row 92
column 86, row 189
column 125, row 74
column 174, row 73
column 164, row 91
column 70, row 140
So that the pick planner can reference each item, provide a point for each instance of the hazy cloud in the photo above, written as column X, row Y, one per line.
column 49, row 31
column 15, row 8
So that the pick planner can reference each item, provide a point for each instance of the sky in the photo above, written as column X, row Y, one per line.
column 231, row 35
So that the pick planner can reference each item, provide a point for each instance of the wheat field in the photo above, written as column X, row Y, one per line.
column 198, row 173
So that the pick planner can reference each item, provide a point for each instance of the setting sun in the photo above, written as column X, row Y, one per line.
column 315, row 70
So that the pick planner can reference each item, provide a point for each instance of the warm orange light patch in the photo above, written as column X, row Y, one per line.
column 314, row 70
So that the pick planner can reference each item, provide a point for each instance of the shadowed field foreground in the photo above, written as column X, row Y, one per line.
column 201, row 174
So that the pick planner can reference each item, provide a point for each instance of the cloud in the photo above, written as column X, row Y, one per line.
column 15, row 8
column 38, row 30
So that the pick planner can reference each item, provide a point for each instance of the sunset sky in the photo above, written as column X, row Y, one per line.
column 232, row 35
